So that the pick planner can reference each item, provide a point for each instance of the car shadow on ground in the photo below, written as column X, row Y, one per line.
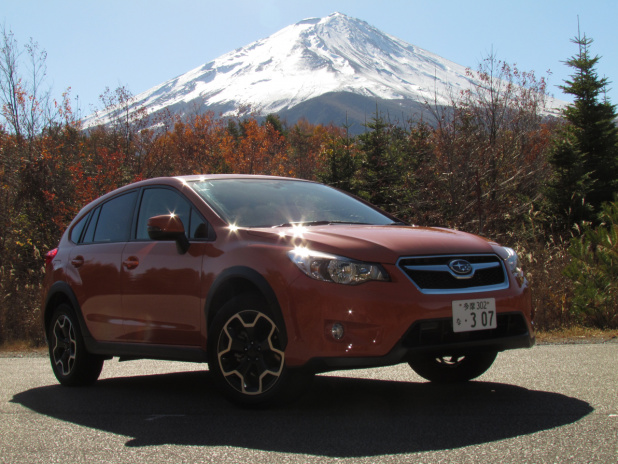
column 338, row 417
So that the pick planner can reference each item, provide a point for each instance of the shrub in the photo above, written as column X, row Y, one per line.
column 594, row 270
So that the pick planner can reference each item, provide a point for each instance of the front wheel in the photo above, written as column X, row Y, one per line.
column 452, row 368
column 246, row 356
column 72, row 365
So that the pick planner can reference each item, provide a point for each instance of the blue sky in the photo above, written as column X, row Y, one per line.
column 92, row 45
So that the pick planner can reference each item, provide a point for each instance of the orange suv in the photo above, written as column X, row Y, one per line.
column 270, row 280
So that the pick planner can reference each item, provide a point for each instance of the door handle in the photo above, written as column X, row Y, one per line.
column 131, row 262
column 77, row 261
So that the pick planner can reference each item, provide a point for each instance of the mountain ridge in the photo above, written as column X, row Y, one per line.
column 295, row 68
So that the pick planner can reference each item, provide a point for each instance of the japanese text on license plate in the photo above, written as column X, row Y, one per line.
column 479, row 314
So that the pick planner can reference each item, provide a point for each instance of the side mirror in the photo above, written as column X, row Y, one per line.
column 168, row 227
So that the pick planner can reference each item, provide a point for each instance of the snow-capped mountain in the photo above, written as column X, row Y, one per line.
column 326, row 70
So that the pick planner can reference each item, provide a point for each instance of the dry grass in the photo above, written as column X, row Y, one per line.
column 22, row 346
column 576, row 335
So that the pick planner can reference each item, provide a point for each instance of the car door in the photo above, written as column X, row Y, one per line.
column 94, row 267
column 161, row 285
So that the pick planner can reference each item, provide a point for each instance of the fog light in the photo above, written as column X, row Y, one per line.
column 337, row 331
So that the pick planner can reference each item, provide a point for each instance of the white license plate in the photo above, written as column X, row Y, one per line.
column 479, row 314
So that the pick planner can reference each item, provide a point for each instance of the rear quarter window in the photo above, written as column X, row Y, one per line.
column 76, row 231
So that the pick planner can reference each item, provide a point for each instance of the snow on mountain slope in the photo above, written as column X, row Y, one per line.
column 302, row 62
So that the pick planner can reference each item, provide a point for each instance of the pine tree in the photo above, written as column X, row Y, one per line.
column 585, row 156
column 340, row 163
column 568, row 191
column 383, row 181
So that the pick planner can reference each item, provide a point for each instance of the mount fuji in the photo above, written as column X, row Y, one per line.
column 335, row 69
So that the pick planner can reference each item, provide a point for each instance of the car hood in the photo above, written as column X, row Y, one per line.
column 384, row 244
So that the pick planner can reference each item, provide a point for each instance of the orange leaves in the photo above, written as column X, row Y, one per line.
column 197, row 146
column 307, row 143
column 206, row 145
column 260, row 150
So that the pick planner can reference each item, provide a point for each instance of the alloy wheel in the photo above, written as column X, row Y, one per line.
column 65, row 344
column 249, row 352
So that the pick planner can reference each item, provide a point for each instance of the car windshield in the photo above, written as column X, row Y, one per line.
column 280, row 202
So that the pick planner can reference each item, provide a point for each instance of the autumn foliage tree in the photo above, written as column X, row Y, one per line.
column 25, row 102
column 489, row 150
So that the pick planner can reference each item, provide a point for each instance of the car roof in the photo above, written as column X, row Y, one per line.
column 180, row 182
column 199, row 177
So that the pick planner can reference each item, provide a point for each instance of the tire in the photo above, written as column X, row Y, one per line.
column 246, row 357
column 460, row 368
column 73, row 366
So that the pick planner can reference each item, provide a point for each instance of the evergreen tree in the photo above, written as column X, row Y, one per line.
column 339, row 168
column 275, row 121
column 585, row 156
column 384, row 174
column 568, row 190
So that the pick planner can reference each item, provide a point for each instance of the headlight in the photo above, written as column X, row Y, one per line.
column 332, row 268
column 514, row 265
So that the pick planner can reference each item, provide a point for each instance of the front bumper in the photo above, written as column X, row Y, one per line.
column 437, row 337
column 387, row 322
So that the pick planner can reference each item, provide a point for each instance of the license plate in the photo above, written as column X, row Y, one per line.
column 470, row 315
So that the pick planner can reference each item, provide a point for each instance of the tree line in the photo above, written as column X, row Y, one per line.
column 495, row 163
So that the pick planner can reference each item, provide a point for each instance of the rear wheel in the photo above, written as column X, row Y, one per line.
column 246, row 356
column 71, row 363
column 452, row 368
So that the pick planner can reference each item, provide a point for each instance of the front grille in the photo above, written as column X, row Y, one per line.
column 432, row 274
column 440, row 332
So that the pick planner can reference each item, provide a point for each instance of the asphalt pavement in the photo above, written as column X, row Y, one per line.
column 548, row 404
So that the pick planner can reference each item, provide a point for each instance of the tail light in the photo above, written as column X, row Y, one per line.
column 50, row 255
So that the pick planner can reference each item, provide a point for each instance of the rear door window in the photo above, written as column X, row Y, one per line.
column 115, row 219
